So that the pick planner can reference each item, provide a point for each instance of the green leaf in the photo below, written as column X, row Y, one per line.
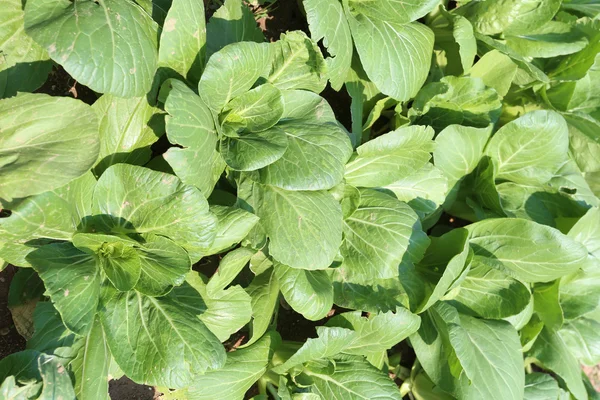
column 551, row 40
column 400, row 11
column 161, row 343
column 524, row 249
column 241, row 370
column 127, row 36
column 327, row 22
column 491, row 294
column 233, row 226
column 164, row 264
column 424, row 191
column 44, row 218
column 36, row 125
column 353, row 380
column 256, row 110
column 390, row 157
column 233, row 71
column 458, row 151
column 229, row 267
column 231, row 23
column 314, row 158
column 469, row 357
column 310, row 293
column 456, row 100
column 496, row 70
column 138, row 200
column 579, row 291
column 90, row 366
column 513, row 17
column 128, row 127
column 540, row 386
column 454, row 35
column 183, row 39
column 264, row 291
column 190, row 125
column 72, row 280
column 547, row 304
column 487, row 44
column 254, row 150
column 582, row 337
column 378, row 332
column 384, row 46
column 531, row 148
column 51, row 336
column 552, row 353
column 57, row 382
column 587, row 231
column 380, row 234
column 439, row 271
column 116, row 255
column 224, row 312
column 298, row 63
column 24, row 63
column 583, row 141
column 304, row 228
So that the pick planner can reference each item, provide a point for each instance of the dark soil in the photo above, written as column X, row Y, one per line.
column 60, row 83
column 10, row 340
column 126, row 389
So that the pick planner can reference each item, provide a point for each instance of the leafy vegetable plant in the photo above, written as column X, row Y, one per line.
column 207, row 226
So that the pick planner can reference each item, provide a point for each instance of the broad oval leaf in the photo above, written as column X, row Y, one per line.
column 378, row 236
column 400, row 11
column 128, row 127
column 36, row 125
column 254, row 150
column 314, row 158
column 183, row 39
column 297, row 63
column 232, row 71
column 310, row 293
column 256, row 110
column 524, row 249
column 126, row 34
column 161, row 343
column 304, row 228
column 530, row 149
column 390, row 157
column 385, row 46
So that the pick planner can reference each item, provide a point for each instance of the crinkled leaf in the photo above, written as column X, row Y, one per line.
column 190, row 124
column 327, row 22
column 298, row 63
